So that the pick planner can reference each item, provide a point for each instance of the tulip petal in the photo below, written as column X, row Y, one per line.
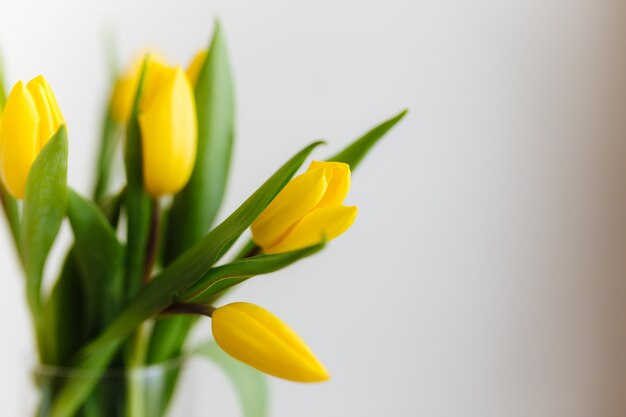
column 255, row 336
column 57, row 116
column 50, row 117
column 18, row 139
column 298, row 197
column 328, row 222
column 157, row 75
column 193, row 70
column 168, row 133
column 338, row 177
column 122, row 100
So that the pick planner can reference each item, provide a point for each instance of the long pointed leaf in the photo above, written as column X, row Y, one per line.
column 138, row 207
column 225, row 276
column 354, row 153
column 65, row 326
column 196, row 206
column 100, row 257
column 109, row 142
column 44, row 208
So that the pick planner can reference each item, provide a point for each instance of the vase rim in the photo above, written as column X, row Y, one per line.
column 145, row 371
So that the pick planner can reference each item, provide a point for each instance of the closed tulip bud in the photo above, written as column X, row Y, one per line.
column 30, row 118
column 256, row 337
column 167, row 119
column 194, row 68
column 307, row 210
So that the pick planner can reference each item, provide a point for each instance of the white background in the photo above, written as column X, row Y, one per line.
column 484, row 275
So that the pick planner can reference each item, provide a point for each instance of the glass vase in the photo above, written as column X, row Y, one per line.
column 167, row 389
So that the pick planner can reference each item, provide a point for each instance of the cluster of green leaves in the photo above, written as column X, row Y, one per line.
column 94, row 317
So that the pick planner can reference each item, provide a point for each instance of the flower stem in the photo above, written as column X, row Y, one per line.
column 196, row 309
column 153, row 240
column 135, row 405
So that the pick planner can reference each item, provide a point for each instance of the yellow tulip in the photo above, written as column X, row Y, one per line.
column 30, row 118
column 255, row 336
column 167, row 119
column 194, row 68
column 307, row 210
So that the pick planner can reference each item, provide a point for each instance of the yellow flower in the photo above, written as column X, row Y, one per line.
column 307, row 210
column 193, row 70
column 167, row 119
column 30, row 118
column 255, row 336
column 126, row 86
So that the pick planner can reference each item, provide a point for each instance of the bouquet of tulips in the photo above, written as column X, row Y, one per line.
column 147, row 261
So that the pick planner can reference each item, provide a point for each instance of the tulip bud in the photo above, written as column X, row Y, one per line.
column 167, row 119
column 255, row 336
column 194, row 68
column 30, row 118
column 307, row 210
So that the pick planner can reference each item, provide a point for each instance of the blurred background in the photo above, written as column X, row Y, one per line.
column 486, row 272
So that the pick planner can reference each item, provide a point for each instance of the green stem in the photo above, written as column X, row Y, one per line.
column 11, row 211
column 248, row 250
column 33, row 296
column 153, row 240
column 135, row 404
column 194, row 309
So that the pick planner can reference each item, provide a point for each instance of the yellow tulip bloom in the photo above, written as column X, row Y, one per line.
column 167, row 119
column 307, row 210
column 255, row 336
column 30, row 118
column 194, row 68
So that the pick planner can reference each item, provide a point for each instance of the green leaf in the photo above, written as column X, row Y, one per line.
column 250, row 385
column 138, row 204
column 171, row 282
column 109, row 145
column 44, row 208
column 196, row 206
column 167, row 340
column 111, row 206
column 65, row 327
column 100, row 257
column 225, row 276
column 354, row 153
